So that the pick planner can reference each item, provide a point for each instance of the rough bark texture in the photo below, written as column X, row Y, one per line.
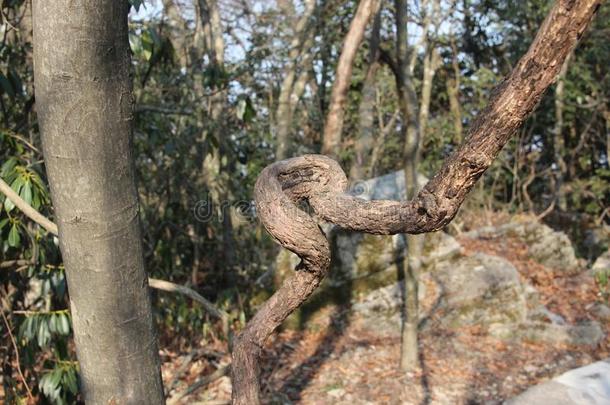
column 320, row 181
column 334, row 120
column 84, row 102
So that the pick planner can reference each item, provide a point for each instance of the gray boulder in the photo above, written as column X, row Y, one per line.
column 589, row 385
column 546, row 246
column 482, row 290
column 587, row 333
column 479, row 289
column 388, row 187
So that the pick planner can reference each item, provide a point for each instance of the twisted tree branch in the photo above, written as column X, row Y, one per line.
column 320, row 181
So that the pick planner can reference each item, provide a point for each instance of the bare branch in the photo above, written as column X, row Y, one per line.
column 202, row 382
column 153, row 283
column 27, row 209
column 18, row 362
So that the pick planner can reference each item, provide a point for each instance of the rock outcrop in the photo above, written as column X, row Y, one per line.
column 587, row 333
column 477, row 290
column 550, row 248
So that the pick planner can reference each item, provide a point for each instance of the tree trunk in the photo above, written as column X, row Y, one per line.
column 178, row 29
column 334, row 121
column 453, row 92
column 558, row 137
column 431, row 64
column 84, row 101
column 409, row 354
column 292, row 88
column 366, row 109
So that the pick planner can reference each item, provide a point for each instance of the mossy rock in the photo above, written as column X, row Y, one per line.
column 477, row 290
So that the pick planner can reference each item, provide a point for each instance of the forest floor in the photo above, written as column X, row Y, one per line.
column 337, row 361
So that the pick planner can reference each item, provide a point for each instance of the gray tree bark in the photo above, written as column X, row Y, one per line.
column 453, row 92
column 84, row 102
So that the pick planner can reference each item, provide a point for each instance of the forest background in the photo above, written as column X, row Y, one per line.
column 223, row 88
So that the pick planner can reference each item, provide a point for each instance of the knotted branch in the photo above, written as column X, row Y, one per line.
column 320, row 181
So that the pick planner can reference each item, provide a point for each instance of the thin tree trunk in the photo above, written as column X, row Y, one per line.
column 331, row 142
column 84, row 101
column 409, row 354
column 453, row 91
column 384, row 130
column 300, row 44
column 558, row 139
column 607, row 117
column 366, row 109
column 178, row 32
column 431, row 64
column 366, row 119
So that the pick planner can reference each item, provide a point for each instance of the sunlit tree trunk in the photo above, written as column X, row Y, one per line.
column 453, row 92
column 366, row 109
column 409, row 354
column 293, row 84
column 431, row 64
column 333, row 128
column 84, row 102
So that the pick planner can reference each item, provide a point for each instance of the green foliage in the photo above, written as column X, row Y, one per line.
column 602, row 279
column 41, row 327
column 60, row 385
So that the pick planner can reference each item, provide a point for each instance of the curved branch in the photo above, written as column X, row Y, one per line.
column 319, row 180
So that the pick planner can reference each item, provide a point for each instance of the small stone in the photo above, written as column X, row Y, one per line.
column 336, row 393
column 602, row 263
column 601, row 311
